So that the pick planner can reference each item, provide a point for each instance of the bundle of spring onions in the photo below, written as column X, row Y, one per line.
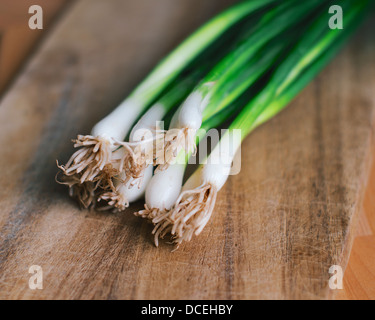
column 271, row 50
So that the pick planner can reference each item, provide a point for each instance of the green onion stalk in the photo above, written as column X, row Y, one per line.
column 97, row 151
column 257, row 55
column 146, row 146
column 195, row 204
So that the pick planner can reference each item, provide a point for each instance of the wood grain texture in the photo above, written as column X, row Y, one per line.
column 359, row 278
column 278, row 226
column 17, row 38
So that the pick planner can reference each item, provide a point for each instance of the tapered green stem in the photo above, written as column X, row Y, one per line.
column 306, row 52
column 171, row 66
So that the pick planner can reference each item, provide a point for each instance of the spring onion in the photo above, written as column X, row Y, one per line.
column 93, row 163
column 96, row 149
column 196, row 202
column 265, row 60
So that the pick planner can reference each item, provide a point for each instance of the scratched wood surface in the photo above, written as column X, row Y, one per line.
column 278, row 225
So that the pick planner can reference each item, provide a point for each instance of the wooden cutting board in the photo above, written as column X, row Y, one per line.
column 278, row 225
